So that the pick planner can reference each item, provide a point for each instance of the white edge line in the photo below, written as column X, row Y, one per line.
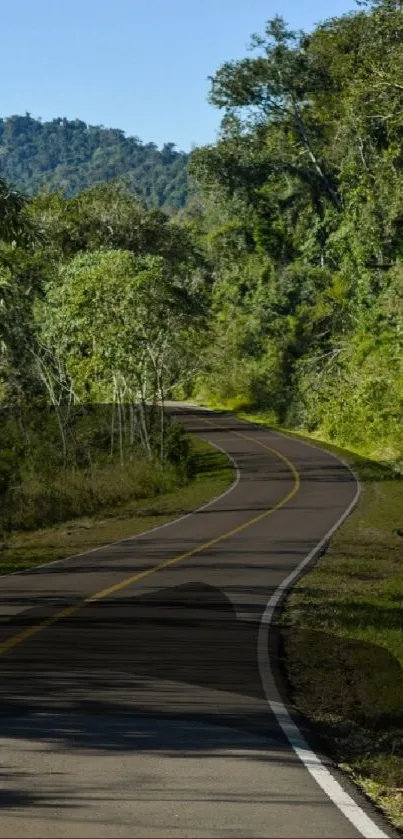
column 322, row 776
column 331, row 787
column 66, row 559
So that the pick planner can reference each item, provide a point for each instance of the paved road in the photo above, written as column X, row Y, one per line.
column 136, row 694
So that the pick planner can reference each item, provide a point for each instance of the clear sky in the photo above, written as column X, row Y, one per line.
column 138, row 65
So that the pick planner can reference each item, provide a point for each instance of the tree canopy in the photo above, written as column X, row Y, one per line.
column 303, row 224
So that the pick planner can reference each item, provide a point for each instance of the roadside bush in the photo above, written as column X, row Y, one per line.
column 49, row 474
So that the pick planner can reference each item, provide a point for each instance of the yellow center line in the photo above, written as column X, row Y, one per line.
column 20, row 637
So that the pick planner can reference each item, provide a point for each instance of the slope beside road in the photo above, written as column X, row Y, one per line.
column 138, row 692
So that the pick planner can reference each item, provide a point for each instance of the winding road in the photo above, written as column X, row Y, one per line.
column 139, row 689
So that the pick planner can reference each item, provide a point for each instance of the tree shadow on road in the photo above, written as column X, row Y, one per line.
column 179, row 654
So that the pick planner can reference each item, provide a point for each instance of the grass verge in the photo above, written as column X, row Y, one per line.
column 342, row 632
column 213, row 473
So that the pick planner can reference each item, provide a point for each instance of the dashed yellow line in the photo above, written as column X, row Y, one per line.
column 20, row 637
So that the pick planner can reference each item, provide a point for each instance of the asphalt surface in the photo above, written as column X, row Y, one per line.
column 142, row 712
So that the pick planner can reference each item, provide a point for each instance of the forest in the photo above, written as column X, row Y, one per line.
column 101, row 300
column 277, row 287
column 302, row 225
column 69, row 156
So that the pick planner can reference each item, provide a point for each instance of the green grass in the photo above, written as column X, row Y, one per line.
column 342, row 630
column 213, row 473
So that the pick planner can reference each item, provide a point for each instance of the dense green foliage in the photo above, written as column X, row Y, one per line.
column 303, row 225
column 69, row 156
column 101, row 300
column 279, row 285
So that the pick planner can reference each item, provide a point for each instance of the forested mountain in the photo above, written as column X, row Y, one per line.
column 72, row 156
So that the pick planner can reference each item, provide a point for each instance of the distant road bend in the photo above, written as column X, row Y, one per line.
column 138, row 694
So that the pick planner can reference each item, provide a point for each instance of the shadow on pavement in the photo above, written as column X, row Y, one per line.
column 181, row 653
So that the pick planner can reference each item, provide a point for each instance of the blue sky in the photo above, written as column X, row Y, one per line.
column 138, row 65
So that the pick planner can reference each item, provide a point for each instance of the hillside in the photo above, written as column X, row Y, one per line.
column 71, row 156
